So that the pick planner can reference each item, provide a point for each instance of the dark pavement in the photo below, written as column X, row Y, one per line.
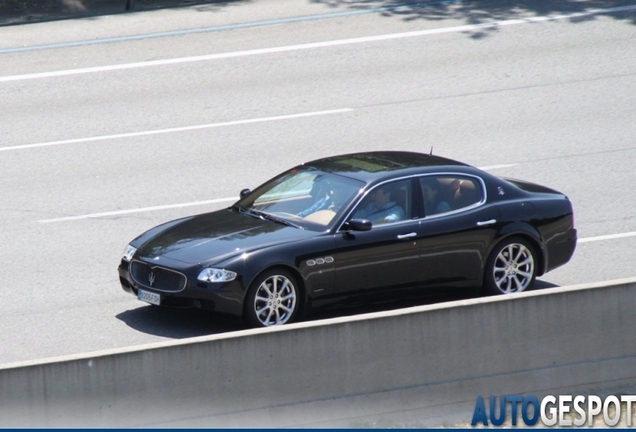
column 14, row 12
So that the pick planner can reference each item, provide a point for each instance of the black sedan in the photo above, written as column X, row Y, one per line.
column 336, row 229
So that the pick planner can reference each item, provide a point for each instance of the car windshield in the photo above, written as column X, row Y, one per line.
column 305, row 197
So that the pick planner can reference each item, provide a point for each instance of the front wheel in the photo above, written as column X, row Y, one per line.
column 273, row 299
column 512, row 267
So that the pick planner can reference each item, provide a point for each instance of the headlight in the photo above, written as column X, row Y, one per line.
column 216, row 275
column 128, row 253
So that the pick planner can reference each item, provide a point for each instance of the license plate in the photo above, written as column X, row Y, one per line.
column 149, row 297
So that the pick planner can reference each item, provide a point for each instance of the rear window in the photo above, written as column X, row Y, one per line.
column 445, row 193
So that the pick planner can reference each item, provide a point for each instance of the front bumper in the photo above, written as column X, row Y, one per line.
column 223, row 298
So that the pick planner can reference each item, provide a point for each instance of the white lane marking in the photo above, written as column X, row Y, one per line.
column 261, row 51
column 227, row 27
column 147, row 209
column 138, row 210
column 221, row 200
column 492, row 167
column 176, row 129
column 607, row 237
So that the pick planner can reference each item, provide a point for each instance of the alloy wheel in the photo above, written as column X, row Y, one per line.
column 513, row 268
column 275, row 300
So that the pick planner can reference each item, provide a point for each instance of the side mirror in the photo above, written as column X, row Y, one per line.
column 358, row 225
column 244, row 193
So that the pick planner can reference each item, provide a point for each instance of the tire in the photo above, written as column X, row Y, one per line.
column 272, row 299
column 511, row 267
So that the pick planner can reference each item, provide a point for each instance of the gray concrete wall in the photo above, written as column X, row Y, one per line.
column 412, row 367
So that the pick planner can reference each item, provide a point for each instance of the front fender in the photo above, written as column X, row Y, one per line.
column 300, row 258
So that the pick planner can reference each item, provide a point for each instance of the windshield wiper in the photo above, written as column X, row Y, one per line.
column 266, row 216
column 280, row 220
column 252, row 213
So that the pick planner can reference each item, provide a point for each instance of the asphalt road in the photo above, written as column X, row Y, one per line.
column 114, row 124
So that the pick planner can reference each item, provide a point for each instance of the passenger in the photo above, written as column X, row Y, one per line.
column 433, row 202
column 381, row 209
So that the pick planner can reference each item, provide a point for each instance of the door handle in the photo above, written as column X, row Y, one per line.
column 488, row 222
column 405, row 236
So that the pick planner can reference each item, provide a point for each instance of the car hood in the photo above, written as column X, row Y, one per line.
column 219, row 234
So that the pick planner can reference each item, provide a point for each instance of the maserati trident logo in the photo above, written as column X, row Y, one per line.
column 151, row 277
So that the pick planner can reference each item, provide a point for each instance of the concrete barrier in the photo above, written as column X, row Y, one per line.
column 419, row 366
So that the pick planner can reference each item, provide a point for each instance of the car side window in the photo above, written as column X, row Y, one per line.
column 386, row 203
column 446, row 193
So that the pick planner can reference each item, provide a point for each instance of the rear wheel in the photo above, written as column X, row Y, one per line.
column 512, row 267
column 273, row 299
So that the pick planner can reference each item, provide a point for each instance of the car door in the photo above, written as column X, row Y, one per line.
column 454, row 242
column 385, row 256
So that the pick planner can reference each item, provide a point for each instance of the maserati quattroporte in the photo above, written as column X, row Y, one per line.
column 339, row 228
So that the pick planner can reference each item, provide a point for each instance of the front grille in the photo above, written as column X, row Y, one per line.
column 157, row 278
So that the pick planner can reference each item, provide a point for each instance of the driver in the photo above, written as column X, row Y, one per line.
column 332, row 197
column 381, row 209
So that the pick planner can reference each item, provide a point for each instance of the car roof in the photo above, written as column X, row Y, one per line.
column 380, row 165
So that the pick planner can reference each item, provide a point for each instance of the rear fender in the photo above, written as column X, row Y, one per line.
column 528, row 232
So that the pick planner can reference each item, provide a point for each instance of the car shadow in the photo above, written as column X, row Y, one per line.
column 541, row 284
column 186, row 323
column 178, row 323
column 389, row 305
column 371, row 306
